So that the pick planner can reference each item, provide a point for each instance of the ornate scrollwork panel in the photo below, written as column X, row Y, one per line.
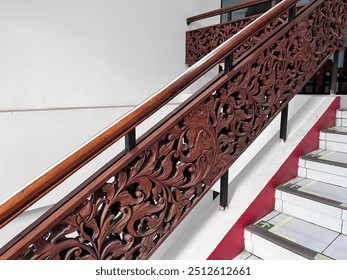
column 200, row 42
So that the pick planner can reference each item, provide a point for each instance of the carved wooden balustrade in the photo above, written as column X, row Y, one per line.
column 128, row 208
column 201, row 41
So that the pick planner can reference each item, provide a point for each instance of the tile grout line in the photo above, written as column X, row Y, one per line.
column 331, row 243
column 301, row 179
column 274, row 216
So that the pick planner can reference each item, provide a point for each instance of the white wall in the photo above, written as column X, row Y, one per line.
column 69, row 68
column 59, row 58
column 30, row 142
column 72, row 53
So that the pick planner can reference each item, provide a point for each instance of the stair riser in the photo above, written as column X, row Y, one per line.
column 333, row 146
column 344, row 227
column 324, row 172
column 323, row 177
column 267, row 250
column 334, row 137
column 341, row 114
column 328, row 168
column 311, row 215
column 341, row 122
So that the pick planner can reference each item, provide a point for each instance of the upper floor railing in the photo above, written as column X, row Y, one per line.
column 201, row 41
column 129, row 207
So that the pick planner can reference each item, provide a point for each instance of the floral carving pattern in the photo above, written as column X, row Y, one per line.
column 200, row 42
column 135, row 209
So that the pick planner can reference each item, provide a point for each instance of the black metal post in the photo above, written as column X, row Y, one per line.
column 284, row 113
column 130, row 140
column 130, row 143
column 284, row 124
column 224, row 180
column 292, row 13
column 228, row 63
column 224, row 183
column 230, row 16
column 334, row 71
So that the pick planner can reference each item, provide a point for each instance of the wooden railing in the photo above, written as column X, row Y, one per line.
column 129, row 207
column 201, row 41
column 28, row 195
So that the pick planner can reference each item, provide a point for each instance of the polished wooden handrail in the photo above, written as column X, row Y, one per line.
column 50, row 179
column 227, row 9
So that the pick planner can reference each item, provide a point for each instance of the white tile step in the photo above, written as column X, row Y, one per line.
column 341, row 122
column 325, row 166
column 341, row 117
column 246, row 256
column 314, row 201
column 334, row 139
column 341, row 113
column 281, row 236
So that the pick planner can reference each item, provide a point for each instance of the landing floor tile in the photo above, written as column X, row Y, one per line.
column 338, row 249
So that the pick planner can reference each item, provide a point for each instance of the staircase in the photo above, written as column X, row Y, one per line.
column 310, row 216
column 131, row 205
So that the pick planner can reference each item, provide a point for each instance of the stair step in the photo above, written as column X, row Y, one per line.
column 314, row 201
column 341, row 113
column 334, row 139
column 325, row 166
column 341, row 117
column 246, row 256
column 287, row 237
column 310, row 216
